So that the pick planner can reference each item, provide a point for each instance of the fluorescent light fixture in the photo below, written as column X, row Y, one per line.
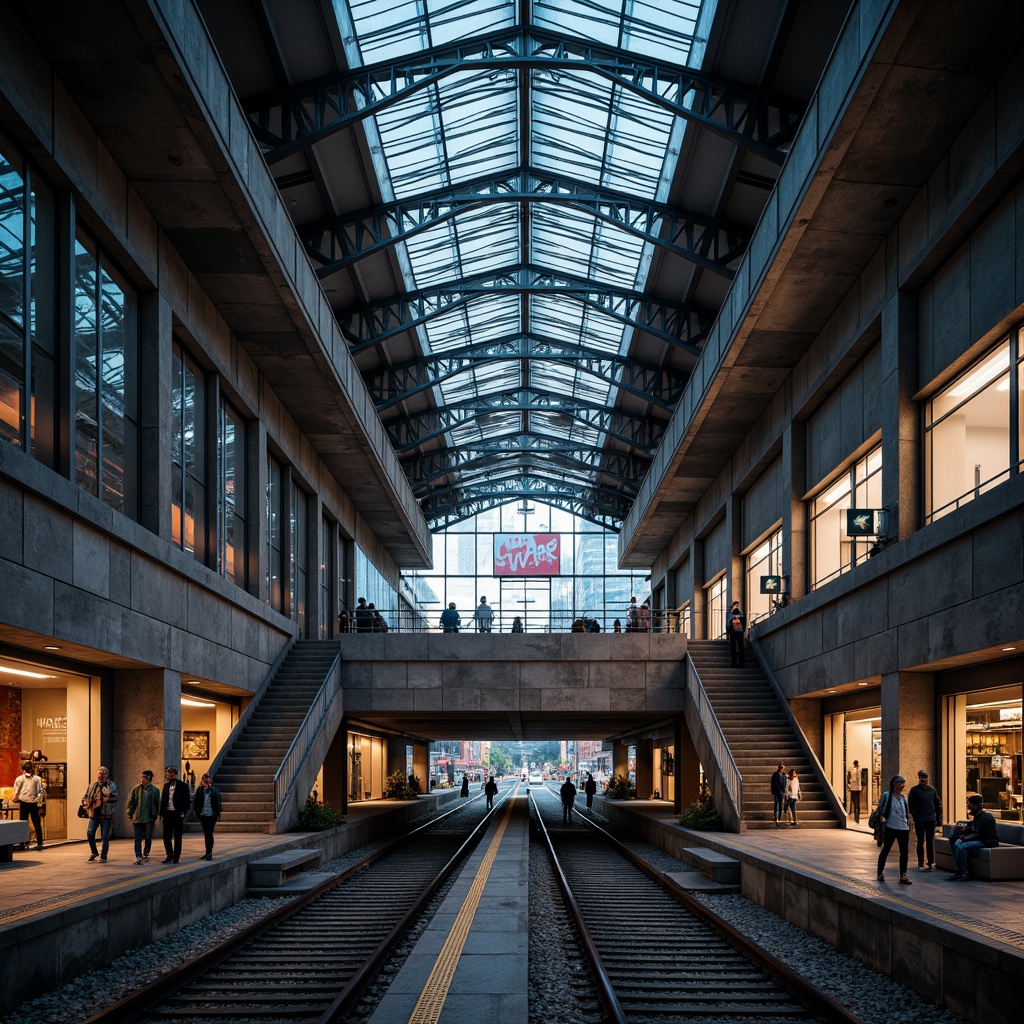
column 193, row 703
column 51, row 647
column 23, row 672
column 996, row 363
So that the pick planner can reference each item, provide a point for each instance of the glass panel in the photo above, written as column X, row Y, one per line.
column 86, row 343
column 113, row 389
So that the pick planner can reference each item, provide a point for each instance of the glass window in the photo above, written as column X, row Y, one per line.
column 716, row 593
column 106, row 388
column 188, row 460
column 764, row 560
column 992, row 744
column 298, row 576
column 967, row 435
column 14, row 249
column 832, row 552
column 232, row 560
column 275, row 534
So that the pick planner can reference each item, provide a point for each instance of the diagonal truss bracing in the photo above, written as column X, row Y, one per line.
column 673, row 322
column 337, row 243
column 393, row 384
column 288, row 121
column 635, row 431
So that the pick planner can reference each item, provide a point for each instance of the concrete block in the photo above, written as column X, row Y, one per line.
column 423, row 675
column 623, row 699
column 357, row 675
column 824, row 922
column 391, row 700
column 476, row 674
column 48, row 540
column 11, row 535
column 83, row 941
column 144, row 639
column 549, row 674
column 573, row 699
column 34, row 608
column 427, row 700
column 389, row 675
column 480, row 699
column 864, row 934
column 998, row 556
column 875, row 655
column 664, row 675
column 207, row 614
column 796, row 900
column 159, row 593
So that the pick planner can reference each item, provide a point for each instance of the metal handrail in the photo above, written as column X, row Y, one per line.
column 293, row 759
column 731, row 777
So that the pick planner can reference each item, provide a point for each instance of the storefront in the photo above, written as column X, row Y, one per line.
column 853, row 751
column 367, row 766
column 46, row 717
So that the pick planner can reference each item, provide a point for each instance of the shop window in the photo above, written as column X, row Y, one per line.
column 274, row 515
column 298, row 574
column 832, row 552
column 967, row 434
column 764, row 560
column 232, row 562
column 993, row 750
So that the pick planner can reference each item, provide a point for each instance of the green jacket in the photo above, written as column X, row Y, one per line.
column 143, row 804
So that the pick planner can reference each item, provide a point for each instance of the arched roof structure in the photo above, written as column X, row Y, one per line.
column 526, row 214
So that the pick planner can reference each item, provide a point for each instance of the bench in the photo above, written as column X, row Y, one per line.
column 273, row 871
column 12, row 833
column 1005, row 861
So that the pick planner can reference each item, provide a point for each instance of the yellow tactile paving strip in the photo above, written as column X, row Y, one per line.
column 431, row 1001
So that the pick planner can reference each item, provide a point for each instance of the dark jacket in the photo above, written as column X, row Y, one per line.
column 568, row 792
column 491, row 789
column 200, row 798
column 924, row 803
column 174, row 798
column 984, row 828
column 590, row 787
column 778, row 783
column 735, row 613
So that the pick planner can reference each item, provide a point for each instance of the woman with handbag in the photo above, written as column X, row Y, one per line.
column 895, row 818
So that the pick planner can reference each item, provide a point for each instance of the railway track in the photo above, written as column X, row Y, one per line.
column 656, row 953
column 310, row 960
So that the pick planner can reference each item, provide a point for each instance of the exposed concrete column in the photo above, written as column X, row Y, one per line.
column 908, row 725
column 155, row 346
column 396, row 756
column 620, row 759
column 901, row 422
column 687, row 766
column 734, row 529
column 421, row 764
column 794, row 513
column 145, row 729
column 699, row 605
column 335, row 772
column 644, row 768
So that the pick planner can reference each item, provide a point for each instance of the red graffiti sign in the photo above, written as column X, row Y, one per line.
column 526, row 554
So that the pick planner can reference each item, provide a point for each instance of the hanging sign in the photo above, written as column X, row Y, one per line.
column 865, row 522
column 526, row 554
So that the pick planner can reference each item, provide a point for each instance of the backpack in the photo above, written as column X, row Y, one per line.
column 737, row 624
column 875, row 818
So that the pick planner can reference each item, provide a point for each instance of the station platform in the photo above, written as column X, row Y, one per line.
column 61, row 914
column 963, row 941
column 471, row 961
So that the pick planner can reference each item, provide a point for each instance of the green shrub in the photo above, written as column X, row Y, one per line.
column 317, row 817
column 702, row 816
column 398, row 787
column 618, row 788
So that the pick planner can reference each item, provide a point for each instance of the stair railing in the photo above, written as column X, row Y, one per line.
column 292, row 763
column 730, row 773
column 830, row 794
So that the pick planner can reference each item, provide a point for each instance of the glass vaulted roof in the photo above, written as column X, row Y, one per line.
column 478, row 122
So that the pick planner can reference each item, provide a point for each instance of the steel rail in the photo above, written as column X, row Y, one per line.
column 148, row 996
column 605, row 989
column 795, row 984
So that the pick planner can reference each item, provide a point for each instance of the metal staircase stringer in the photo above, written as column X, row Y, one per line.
column 835, row 802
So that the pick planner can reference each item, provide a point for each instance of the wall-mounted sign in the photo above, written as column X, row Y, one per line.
column 865, row 522
column 774, row 584
column 526, row 554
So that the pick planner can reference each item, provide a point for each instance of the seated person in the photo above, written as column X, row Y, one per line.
column 981, row 832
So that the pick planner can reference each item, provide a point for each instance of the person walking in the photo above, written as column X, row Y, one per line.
column 464, row 791
column 99, row 801
column 925, row 810
column 735, row 627
column 143, row 808
column 895, row 816
column 174, row 805
column 568, row 794
column 490, row 791
column 855, row 783
column 779, row 792
column 206, row 806
column 632, row 616
column 982, row 832
column 590, row 788
column 484, row 616
column 517, row 625
column 30, row 796
column 792, row 794
column 450, row 619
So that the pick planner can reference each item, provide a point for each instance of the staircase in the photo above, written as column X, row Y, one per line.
column 759, row 736
column 245, row 776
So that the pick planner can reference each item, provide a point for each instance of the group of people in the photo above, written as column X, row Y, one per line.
column 451, row 620
column 147, row 804
column 638, row 617
column 365, row 619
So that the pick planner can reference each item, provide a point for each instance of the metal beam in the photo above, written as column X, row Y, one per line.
column 600, row 509
column 584, row 463
column 390, row 385
column 412, row 431
column 290, row 120
column 672, row 322
column 341, row 241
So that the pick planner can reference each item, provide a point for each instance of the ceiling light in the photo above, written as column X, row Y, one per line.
column 192, row 682
column 832, row 691
column 862, row 684
column 22, row 672
column 193, row 703
column 1009, row 648
column 51, row 647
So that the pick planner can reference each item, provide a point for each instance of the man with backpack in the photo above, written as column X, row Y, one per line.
column 735, row 627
